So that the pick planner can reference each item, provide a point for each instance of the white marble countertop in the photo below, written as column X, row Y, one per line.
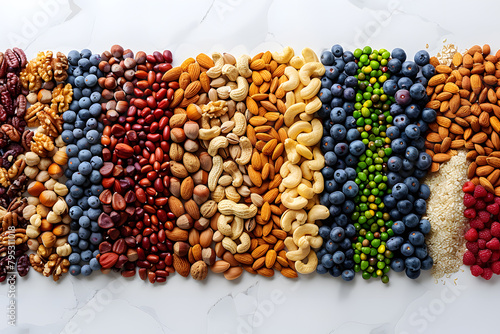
column 312, row 304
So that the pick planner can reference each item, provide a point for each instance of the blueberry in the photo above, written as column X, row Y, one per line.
column 94, row 264
column 340, row 64
column 67, row 136
column 341, row 220
column 398, row 146
column 410, row 69
column 389, row 201
column 403, row 97
column 412, row 274
column 349, row 94
column 78, row 133
column 337, row 90
column 73, row 239
column 321, row 270
column 424, row 191
column 338, row 132
column 337, row 50
column 76, row 191
column 350, row 189
column 404, row 206
column 350, row 231
column 390, row 87
column 411, row 220
column 350, row 122
column 422, row 126
column 75, row 269
column 348, row 56
column 327, row 58
column 400, row 191
column 324, row 232
column 338, row 115
column 393, row 178
column 96, row 149
column 83, row 203
column 83, row 233
column 73, row 57
column 421, row 252
column 330, row 158
column 327, row 172
column 428, row 71
column 405, row 83
column 397, row 265
column 413, row 111
column 341, row 149
column 337, row 234
column 69, row 116
column 337, row 198
column 411, row 154
column 417, row 91
column 75, row 212
column 394, row 163
column 351, row 82
column 327, row 261
column 352, row 134
column 84, row 221
column 426, row 263
column 94, row 202
column 401, row 121
column 330, row 186
column 422, row 57
column 83, row 244
column 348, row 275
column 424, row 161
column 416, row 238
column 348, row 207
column 407, row 249
column 351, row 173
column 86, row 270
column 94, row 213
column 340, row 176
column 395, row 109
column 419, row 142
column 357, row 148
column 74, row 258
column 94, row 227
column 398, row 227
column 393, row 132
column 399, row 53
column 332, row 73
column 85, row 168
column 83, row 143
column 96, row 189
column 331, row 246
column 325, row 95
column 78, row 179
column 91, row 80
column 394, row 65
column 336, row 271
column 340, row 165
column 338, row 257
column 351, row 68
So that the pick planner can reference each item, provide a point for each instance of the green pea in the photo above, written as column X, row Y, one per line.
column 385, row 279
column 386, row 269
column 384, row 236
column 356, row 258
column 389, row 119
column 380, row 265
column 375, row 243
column 362, row 219
column 364, row 265
column 363, row 58
column 366, row 275
column 373, row 252
column 367, row 50
column 360, row 122
column 371, row 169
column 366, row 250
column 357, row 268
column 370, row 269
column 375, row 274
column 390, row 232
column 380, row 257
column 362, row 176
column 375, row 65
column 387, row 261
column 356, row 225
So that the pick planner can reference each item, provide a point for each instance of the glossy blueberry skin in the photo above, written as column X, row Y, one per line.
column 424, row 191
column 397, row 265
column 390, row 87
column 338, row 257
column 422, row 58
column 357, row 148
column 331, row 186
column 407, row 249
column 350, row 189
column 337, row 198
column 327, row 58
column 416, row 238
column 428, row 71
column 338, row 132
column 426, row 263
column 411, row 221
column 327, row 261
column 332, row 73
column 424, row 161
column 421, row 252
column 337, row 234
column 417, row 91
column 327, row 172
column 399, row 53
column 348, row 275
column 398, row 227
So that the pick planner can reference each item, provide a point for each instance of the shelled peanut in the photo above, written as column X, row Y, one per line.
column 465, row 97
column 189, row 166
column 302, row 179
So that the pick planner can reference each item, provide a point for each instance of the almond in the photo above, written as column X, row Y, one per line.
column 437, row 79
column 182, row 266
column 479, row 138
column 493, row 161
column 173, row 74
column 176, row 206
column 433, row 137
column 192, row 89
column 484, row 170
column 233, row 273
column 192, row 209
column 486, row 184
column 441, row 157
column 260, row 251
column 220, row 266
column 289, row 273
column 266, row 272
column 471, row 171
column 177, row 234
column 206, row 237
column 244, row 258
column 255, row 176
column 205, row 61
column 457, row 59
column 443, row 121
column 270, row 258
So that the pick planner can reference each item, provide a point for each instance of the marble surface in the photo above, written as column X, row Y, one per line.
column 313, row 304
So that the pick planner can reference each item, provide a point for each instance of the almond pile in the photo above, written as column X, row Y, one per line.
column 465, row 96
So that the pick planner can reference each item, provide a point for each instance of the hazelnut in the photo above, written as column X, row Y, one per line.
column 43, row 175
column 60, row 189
column 53, row 218
column 33, row 244
column 49, row 185
column 191, row 130
column 29, row 211
column 48, row 239
column 31, row 172
column 44, row 163
column 55, row 171
column 48, row 198
column 201, row 194
column 199, row 270
column 32, row 159
column 60, row 158
column 36, row 188
column 61, row 230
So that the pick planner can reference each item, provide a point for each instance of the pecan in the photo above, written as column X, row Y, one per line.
column 5, row 100
column 17, row 187
column 21, row 104
column 12, row 60
column 13, row 85
column 17, row 168
column 26, row 140
column 3, row 114
column 3, row 65
column 21, row 55
column 11, row 131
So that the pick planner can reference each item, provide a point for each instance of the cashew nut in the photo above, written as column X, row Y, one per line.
column 310, row 266
column 232, row 194
column 292, row 111
column 317, row 212
column 297, row 254
column 216, row 143
column 297, row 62
column 292, row 200
column 216, row 71
column 304, row 151
column 283, row 57
column 291, row 174
column 306, row 171
column 319, row 160
column 291, row 216
column 227, row 207
column 291, row 152
column 319, row 183
column 240, row 124
column 312, row 138
column 303, row 230
column 313, row 105
column 246, row 151
column 289, row 99
column 242, row 64
column 240, row 93
column 231, row 168
column 296, row 128
column 223, row 224
column 245, row 243
column 215, row 172
column 311, row 90
column 207, row 134
column 229, row 245
column 237, row 228
column 305, row 189
column 293, row 79
column 310, row 56
column 230, row 71
column 312, row 69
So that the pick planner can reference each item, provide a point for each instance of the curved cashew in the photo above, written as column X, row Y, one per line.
column 297, row 62
column 246, row 151
column 319, row 160
column 223, row 224
column 237, row 228
column 245, row 243
column 231, row 168
column 299, row 254
column 305, row 230
column 313, row 105
column 306, row 117
column 306, row 171
column 230, row 71
column 310, row 56
column 285, row 56
column 292, row 178
column 292, row 216
column 305, row 189
column 292, row 200
column 227, row 207
column 296, row 128
column 216, row 143
column 232, row 194
column 298, row 95
column 293, row 111
column 291, row 152
column 229, row 245
column 242, row 64
column 312, row 202
column 207, row 134
column 319, row 183
column 223, row 92
column 312, row 138
column 315, row 242
column 310, row 266
column 240, row 93
column 312, row 69
column 240, row 124
column 289, row 99
column 216, row 71
column 304, row 151
column 317, row 212
column 311, row 90
column 293, row 79
column 215, row 172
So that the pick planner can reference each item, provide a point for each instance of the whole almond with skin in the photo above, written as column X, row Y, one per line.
column 181, row 266
column 192, row 89
column 244, row 258
column 479, row 138
column 187, row 187
column 176, row 206
column 220, row 266
column 270, row 258
column 259, row 263
column 206, row 237
column 493, row 161
column 441, row 157
column 289, row 273
column 177, row 234
column 494, row 176
column 260, row 251
column 173, row 74
column 205, row 61
column 233, row 273
column 196, row 249
column 486, row 184
column 266, row 272
column 484, row 170
column 192, row 209
column 178, row 170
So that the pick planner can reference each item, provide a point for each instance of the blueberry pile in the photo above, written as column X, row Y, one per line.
column 82, row 134
column 409, row 161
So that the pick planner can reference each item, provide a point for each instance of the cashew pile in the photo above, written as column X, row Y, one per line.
column 301, row 173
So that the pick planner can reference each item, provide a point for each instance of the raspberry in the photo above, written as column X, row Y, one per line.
column 480, row 205
column 494, row 209
column 469, row 258
column 470, row 213
column 484, row 216
column 471, row 235
column 481, row 243
column 495, row 267
column 477, row 224
column 487, row 273
column 493, row 244
column 485, row 235
column 495, row 256
column 468, row 187
column 472, row 246
column 469, row 200
column 489, row 197
column 497, row 200
column 484, row 255
column 476, row 270
column 495, row 229
column 480, row 192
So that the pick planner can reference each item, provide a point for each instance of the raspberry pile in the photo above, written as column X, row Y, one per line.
column 483, row 245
